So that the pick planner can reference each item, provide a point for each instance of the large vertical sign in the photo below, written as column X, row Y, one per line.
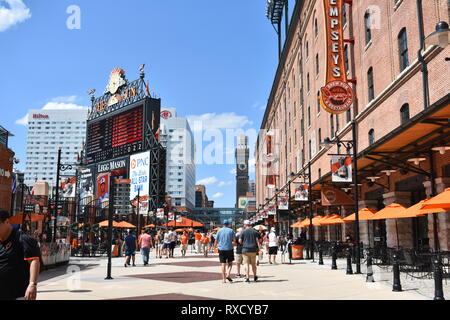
column 301, row 192
column 139, row 175
column 341, row 168
column 336, row 96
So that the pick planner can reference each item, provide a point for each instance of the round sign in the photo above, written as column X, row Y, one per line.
column 336, row 97
column 166, row 114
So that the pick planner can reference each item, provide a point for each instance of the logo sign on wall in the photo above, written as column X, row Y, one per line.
column 166, row 114
column 336, row 96
column 283, row 203
column 341, row 168
column 301, row 192
column 160, row 213
column 179, row 219
column 139, row 175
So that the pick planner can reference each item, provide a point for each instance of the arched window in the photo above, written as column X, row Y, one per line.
column 403, row 49
column 344, row 14
column 367, row 27
column 317, row 64
column 370, row 87
column 404, row 113
column 307, row 82
column 320, row 138
column 306, row 49
column 318, row 102
column 309, row 116
column 310, row 151
column 346, row 57
column 371, row 137
column 316, row 28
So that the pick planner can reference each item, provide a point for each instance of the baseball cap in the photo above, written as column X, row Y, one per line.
column 247, row 222
column 226, row 222
column 272, row 229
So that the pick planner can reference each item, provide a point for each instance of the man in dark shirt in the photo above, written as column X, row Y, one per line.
column 130, row 248
column 250, row 240
column 19, row 262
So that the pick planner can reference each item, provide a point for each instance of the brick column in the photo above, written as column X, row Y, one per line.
column 404, row 226
column 366, row 227
column 443, row 218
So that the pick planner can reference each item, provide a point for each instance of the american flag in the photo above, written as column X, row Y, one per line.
column 142, row 67
column 92, row 91
column 14, row 184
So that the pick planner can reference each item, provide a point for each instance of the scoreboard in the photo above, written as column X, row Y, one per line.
column 117, row 135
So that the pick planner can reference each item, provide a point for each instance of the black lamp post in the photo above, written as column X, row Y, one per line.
column 351, row 144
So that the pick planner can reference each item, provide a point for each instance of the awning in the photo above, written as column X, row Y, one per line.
column 363, row 214
column 392, row 211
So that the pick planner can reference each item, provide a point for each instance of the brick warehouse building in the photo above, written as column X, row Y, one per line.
column 394, row 123
column 6, row 170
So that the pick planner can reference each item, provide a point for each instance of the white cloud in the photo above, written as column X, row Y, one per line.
column 223, row 183
column 55, row 105
column 66, row 99
column 206, row 181
column 218, row 195
column 259, row 106
column 251, row 165
column 15, row 11
column 233, row 171
column 219, row 121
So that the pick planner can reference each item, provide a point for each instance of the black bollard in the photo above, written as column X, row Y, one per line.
column 397, row 286
column 349, row 261
column 369, row 277
column 320, row 255
column 438, row 291
column 333, row 257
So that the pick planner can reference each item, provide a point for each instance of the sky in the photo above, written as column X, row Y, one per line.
column 212, row 60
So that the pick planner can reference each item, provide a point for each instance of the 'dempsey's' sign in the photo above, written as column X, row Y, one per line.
column 336, row 96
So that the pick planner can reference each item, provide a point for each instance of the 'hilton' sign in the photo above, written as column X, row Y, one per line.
column 336, row 96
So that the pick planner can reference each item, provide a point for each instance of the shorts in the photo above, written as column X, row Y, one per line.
column 172, row 245
column 226, row 256
column 130, row 252
column 273, row 250
column 239, row 258
column 166, row 245
column 249, row 257
column 184, row 246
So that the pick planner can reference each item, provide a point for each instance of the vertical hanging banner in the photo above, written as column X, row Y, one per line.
column 160, row 213
column 341, row 168
column 336, row 96
column 171, row 216
column 283, row 203
column 272, row 210
column 301, row 192
column 139, row 175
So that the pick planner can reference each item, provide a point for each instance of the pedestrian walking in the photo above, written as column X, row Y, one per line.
column 130, row 248
column 19, row 262
column 145, row 242
column 205, row 244
column 224, row 243
column 273, row 246
column 251, row 244
column 184, row 243
column 166, row 245
column 239, row 259
column 198, row 243
column 160, row 248
column 173, row 240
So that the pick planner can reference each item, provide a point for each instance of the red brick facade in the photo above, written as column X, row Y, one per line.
column 293, row 99
column 6, row 168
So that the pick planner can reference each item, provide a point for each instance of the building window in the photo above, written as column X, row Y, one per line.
column 332, row 126
column 307, row 82
column 370, row 84
column 302, row 127
column 337, row 123
column 344, row 14
column 309, row 116
column 320, row 137
column 310, row 153
column 346, row 58
column 306, row 49
column 317, row 64
column 404, row 113
column 403, row 49
column 316, row 28
column 367, row 27
column 303, row 157
column 371, row 137
column 318, row 102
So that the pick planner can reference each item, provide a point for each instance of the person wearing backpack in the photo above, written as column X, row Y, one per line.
column 20, row 259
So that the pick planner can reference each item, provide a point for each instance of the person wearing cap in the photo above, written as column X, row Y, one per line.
column 251, row 244
column 273, row 246
column 239, row 259
column 224, row 243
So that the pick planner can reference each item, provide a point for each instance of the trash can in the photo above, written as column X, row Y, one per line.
column 297, row 252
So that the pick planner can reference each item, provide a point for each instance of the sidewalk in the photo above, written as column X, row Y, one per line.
column 196, row 277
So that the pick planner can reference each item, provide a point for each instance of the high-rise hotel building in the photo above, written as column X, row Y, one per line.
column 48, row 131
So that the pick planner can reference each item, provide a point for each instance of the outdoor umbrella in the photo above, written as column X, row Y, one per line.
column 316, row 220
column 216, row 229
column 17, row 219
column 106, row 224
column 260, row 227
column 413, row 211
column 124, row 224
column 392, row 211
column 331, row 220
column 363, row 214
column 441, row 202
column 185, row 222
column 150, row 226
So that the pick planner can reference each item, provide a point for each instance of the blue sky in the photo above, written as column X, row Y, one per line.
column 211, row 59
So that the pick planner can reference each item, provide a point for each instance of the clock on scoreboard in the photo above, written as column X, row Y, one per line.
column 117, row 135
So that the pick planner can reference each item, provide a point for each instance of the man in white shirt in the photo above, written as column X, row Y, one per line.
column 166, row 245
column 173, row 241
column 273, row 246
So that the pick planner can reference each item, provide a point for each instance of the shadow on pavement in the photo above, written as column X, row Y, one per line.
column 62, row 270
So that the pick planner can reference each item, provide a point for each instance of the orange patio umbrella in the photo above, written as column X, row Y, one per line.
column 316, row 220
column 185, row 222
column 392, row 211
column 333, row 219
column 106, row 224
column 18, row 218
column 441, row 202
column 216, row 229
column 124, row 224
column 363, row 214
column 150, row 226
column 414, row 211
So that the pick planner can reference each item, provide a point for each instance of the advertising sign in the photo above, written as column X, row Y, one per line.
column 242, row 202
column 113, row 169
column 68, row 187
column 272, row 211
column 301, row 192
column 86, row 183
column 103, row 186
column 171, row 216
column 179, row 219
column 341, row 168
column 336, row 96
column 160, row 213
column 139, row 175
column 283, row 203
